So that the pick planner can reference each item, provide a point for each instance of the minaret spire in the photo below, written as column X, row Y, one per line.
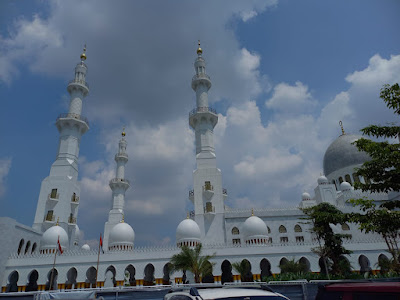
column 118, row 185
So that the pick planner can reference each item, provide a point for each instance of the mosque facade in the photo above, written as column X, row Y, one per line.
column 267, row 238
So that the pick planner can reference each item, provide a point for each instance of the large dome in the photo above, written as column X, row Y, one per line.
column 255, row 231
column 121, row 237
column 188, row 233
column 51, row 236
column 341, row 153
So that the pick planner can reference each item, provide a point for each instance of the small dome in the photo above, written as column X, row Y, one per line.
column 305, row 197
column 121, row 237
column 188, row 231
column 255, row 228
column 322, row 180
column 342, row 153
column 85, row 247
column 345, row 186
column 51, row 236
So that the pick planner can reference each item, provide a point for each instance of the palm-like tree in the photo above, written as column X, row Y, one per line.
column 244, row 269
column 190, row 259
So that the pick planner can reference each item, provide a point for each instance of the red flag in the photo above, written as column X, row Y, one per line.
column 101, row 244
column 59, row 245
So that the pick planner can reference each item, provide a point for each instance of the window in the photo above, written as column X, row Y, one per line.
column 236, row 241
column 282, row 229
column 49, row 216
column 345, row 227
column 53, row 194
column 356, row 178
column 300, row 239
column 340, row 179
column 235, row 231
column 208, row 186
column 33, row 247
column 347, row 178
column 270, row 240
column 21, row 244
column 284, row 239
column 269, row 229
column 297, row 228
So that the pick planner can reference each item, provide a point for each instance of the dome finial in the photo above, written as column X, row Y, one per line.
column 123, row 132
column 341, row 126
column 123, row 219
column 58, row 220
column 83, row 55
column 252, row 211
column 187, row 215
column 199, row 50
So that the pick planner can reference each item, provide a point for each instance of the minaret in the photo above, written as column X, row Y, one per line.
column 207, row 195
column 59, row 192
column 118, row 185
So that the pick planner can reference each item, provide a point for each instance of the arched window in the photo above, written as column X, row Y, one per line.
column 340, row 179
column 347, row 178
column 235, row 231
column 345, row 227
column 33, row 248
column 269, row 229
column 21, row 244
column 297, row 228
column 28, row 244
column 282, row 229
column 356, row 178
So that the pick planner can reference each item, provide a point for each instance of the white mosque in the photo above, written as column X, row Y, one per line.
column 266, row 237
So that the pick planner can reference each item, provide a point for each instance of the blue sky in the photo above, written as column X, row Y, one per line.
column 283, row 72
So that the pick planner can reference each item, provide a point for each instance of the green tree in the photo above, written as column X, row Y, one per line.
column 293, row 266
column 331, row 250
column 244, row 269
column 190, row 259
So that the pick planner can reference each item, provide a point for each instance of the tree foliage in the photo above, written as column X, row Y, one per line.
column 293, row 266
column 331, row 249
column 191, row 260
column 244, row 269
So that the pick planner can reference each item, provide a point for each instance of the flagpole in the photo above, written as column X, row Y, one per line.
column 52, row 271
column 98, row 259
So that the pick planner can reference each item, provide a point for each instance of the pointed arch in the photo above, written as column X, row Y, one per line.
column 265, row 267
column 364, row 264
column 28, row 245
column 209, row 277
column 130, row 273
column 226, row 268
column 282, row 229
column 235, row 231
column 32, row 281
column 247, row 275
column 149, row 275
column 90, row 277
column 72, row 274
column 167, row 269
column 297, row 228
column 109, row 275
column 306, row 266
column 12, row 285
column 21, row 244
column 52, row 280
column 33, row 248
column 383, row 263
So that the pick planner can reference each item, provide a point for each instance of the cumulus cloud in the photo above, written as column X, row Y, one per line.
column 5, row 165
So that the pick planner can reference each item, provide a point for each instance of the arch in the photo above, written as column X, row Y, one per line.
column 208, row 277
column 265, row 267
column 305, row 264
column 12, row 285
column 90, row 277
column 340, row 180
column 226, row 269
column 33, row 248
column 345, row 227
column 283, row 261
column 383, row 263
column 32, row 281
column 364, row 264
column 282, row 229
column 52, row 277
column 235, row 231
column 109, row 276
column 297, row 228
column 334, row 182
column 130, row 273
column 269, row 229
column 72, row 274
column 149, row 275
column 28, row 244
column 347, row 178
column 246, row 274
column 345, row 265
column 167, row 272
column 323, row 265
column 356, row 178
column 21, row 244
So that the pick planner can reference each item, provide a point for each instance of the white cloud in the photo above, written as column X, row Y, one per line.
column 5, row 165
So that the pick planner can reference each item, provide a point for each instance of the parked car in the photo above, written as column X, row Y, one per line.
column 225, row 293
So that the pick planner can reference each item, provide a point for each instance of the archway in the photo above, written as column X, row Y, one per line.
column 130, row 272
column 323, row 265
column 109, row 280
column 265, row 267
column 52, row 277
column 226, row 269
column 32, row 281
column 149, row 275
column 245, row 271
column 71, row 279
column 90, row 277
column 383, row 263
column 364, row 264
column 167, row 271
column 12, row 285
column 305, row 264
column 209, row 277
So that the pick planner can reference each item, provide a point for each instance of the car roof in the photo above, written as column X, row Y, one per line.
column 233, row 292
column 391, row 287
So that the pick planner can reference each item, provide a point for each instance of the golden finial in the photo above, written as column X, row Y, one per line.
column 83, row 55
column 187, row 215
column 341, row 126
column 199, row 50
column 58, row 219
column 123, row 132
column 252, row 212
column 123, row 220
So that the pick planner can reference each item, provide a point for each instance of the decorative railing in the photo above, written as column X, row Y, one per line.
column 201, row 76
column 122, row 155
column 74, row 116
column 49, row 218
column 53, row 197
column 191, row 193
column 72, row 220
column 82, row 82
column 74, row 198
column 118, row 180
column 209, row 208
column 202, row 109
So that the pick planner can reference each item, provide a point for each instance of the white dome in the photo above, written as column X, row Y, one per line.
column 85, row 247
column 305, row 197
column 322, row 180
column 255, row 228
column 345, row 186
column 51, row 236
column 188, row 231
column 122, row 234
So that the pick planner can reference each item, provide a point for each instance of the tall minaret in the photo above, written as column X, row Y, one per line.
column 208, row 196
column 118, row 185
column 59, row 192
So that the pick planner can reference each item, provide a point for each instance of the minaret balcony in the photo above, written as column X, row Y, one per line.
column 209, row 208
column 75, row 200
column 191, row 195
column 207, row 113
column 53, row 198
column 78, row 84
column 121, row 156
column 119, row 182
column 72, row 119
column 71, row 220
column 208, row 190
column 201, row 78
column 49, row 219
